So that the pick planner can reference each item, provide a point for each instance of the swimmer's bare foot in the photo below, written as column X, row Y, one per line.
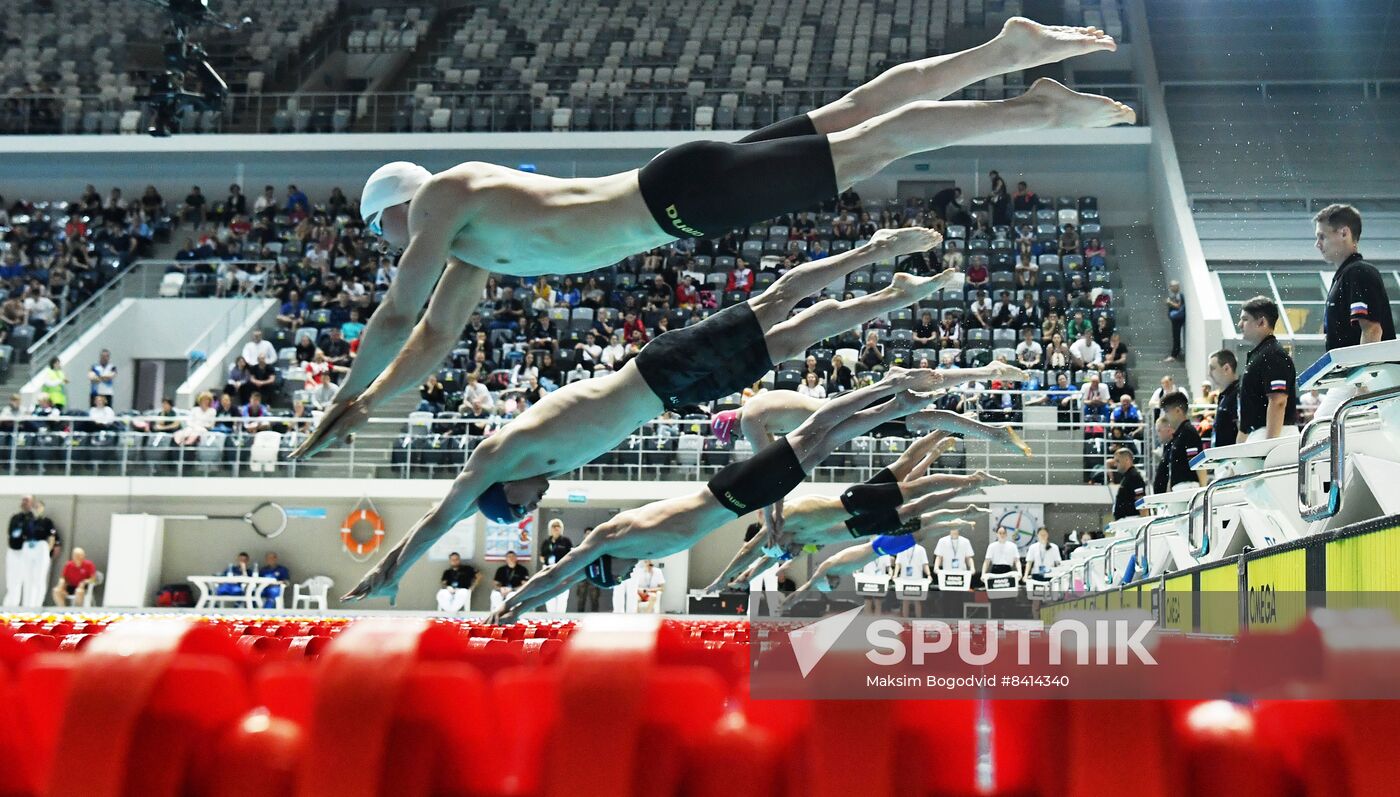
column 1007, row 372
column 1033, row 44
column 905, row 240
column 1063, row 107
column 912, row 401
column 915, row 379
column 915, row 289
column 1013, row 440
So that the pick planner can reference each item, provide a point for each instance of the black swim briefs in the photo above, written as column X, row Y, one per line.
column 721, row 355
column 765, row 478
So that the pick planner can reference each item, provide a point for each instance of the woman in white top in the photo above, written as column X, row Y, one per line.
column 198, row 422
column 615, row 352
column 811, row 386
column 1002, row 556
column 1042, row 556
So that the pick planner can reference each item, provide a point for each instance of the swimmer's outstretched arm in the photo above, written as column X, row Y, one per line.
column 432, row 339
column 853, row 557
column 747, row 554
column 554, row 580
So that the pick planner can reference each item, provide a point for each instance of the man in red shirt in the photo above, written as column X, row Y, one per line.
column 78, row 577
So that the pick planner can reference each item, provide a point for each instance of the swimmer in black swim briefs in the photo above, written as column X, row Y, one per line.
column 663, row 528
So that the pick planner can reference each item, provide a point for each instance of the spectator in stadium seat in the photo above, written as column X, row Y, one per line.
column 979, row 312
column 687, row 296
column 200, row 420
column 954, row 212
column 336, row 348
column 1093, row 399
column 317, row 383
column 476, row 388
column 950, row 331
column 433, row 395
column 953, row 256
column 457, row 583
column 925, row 331
column 1086, row 352
column 11, row 412
column 271, row 568
column 568, row 294
column 237, row 382
column 633, row 329
column 1168, row 385
column 114, row 210
column 1053, row 325
column 169, row 422
column 977, row 274
column 1120, row 387
column 543, row 295
column 542, row 333
column 297, row 203
column 236, row 203
column 41, row 310
column 100, row 415
column 1069, row 241
column 262, row 376
column 53, row 383
column 740, row 277
column 1115, row 354
column 352, row 330
column 872, row 354
column 257, row 347
column 509, row 311
column 1028, row 351
column 588, row 351
column 265, row 205
column 152, row 203
column 1024, row 198
column 812, row 386
column 1176, row 314
column 338, row 204
column 1127, row 415
column 1095, row 256
column 1078, row 325
column 615, row 353
column 256, row 413
column 849, row 201
column 841, row 377
column 194, row 210
column 1005, row 313
column 509, row 577
column 225, row 412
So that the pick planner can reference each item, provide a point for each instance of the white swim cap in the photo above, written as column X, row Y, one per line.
column 391, row 184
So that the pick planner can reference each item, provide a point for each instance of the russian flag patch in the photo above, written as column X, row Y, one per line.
column 1279, row 384
column 1360, row 308
column 1191, row 452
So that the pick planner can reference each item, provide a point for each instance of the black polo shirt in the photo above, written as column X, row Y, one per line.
column 1269, row 370
column 1130, row 488
column 1227, row 415
column 460, row 577
column 18, row 529
column 1358, row 293
column 507, row 577
column 552, row 550
column 1177, row 456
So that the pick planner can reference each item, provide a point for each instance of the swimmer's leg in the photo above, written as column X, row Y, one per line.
column 954, row 423
column 1022, row 44
column 829, row 318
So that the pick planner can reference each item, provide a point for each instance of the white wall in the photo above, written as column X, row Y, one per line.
column 1182, row 256
column 139, row 329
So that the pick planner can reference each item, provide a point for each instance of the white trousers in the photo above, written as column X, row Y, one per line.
column 558, row 604
column 497, row 598
column 625, row 597
column 14, row 578
column 767, row 581
column 452, row 599
column 35, row 573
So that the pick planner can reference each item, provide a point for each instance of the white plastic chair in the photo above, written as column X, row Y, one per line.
column 262, row 458
column 97, row 578
column 312, row 591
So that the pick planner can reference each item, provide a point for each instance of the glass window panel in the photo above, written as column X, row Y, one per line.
column 1240, row 286
column 1306, row 317
column 1299, row 286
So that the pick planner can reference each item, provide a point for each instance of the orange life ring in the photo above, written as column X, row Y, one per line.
column 348, row 539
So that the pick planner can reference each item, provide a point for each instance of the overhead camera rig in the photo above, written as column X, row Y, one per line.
column 189, row 81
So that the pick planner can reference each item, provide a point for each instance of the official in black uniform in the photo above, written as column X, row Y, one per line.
column 1184, row 445
column 16, row 532
column 1131, row 485
column 1269, row 389
column 458, row 580
column 1358, row 309
column 554, row 547
column 1223, row 365
column 509, row 577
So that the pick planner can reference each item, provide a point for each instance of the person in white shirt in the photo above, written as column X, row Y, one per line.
column 42, row 312
column 474, row 389
column 882, row 566
column 588, row 349
column 913, row 563
column 953, row 552
column 103, row 376
column 259, row 347
column 1028, row 351
column 201, row 419
column 102, row 415
column 1094, row 397
column 1002, row 556
column 1168, row 387
column 1087, row 352
column 1041, row 556
column 811, row 387
column 650, row 582
column 615, row 352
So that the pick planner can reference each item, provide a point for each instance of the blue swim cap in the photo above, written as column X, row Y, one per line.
column 494, row 505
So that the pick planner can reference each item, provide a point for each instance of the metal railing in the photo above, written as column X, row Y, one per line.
column 667, row 449
column 1204, row 498
column 480, row 111
column 1336, row 445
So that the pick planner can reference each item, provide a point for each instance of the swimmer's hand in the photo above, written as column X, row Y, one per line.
column 338, row 422
column 905, row 240
column 382, row 581
column 501, row 617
